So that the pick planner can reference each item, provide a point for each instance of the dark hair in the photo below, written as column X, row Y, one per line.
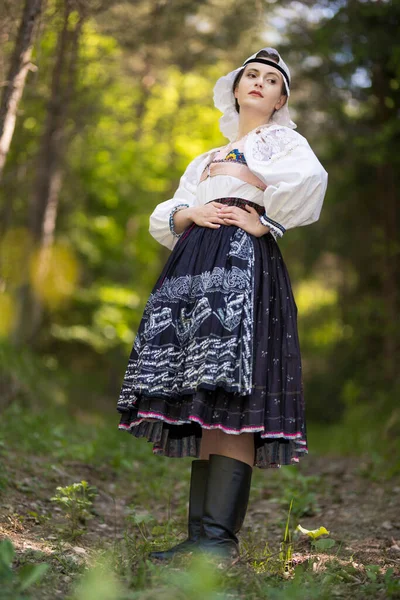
column 261, row 54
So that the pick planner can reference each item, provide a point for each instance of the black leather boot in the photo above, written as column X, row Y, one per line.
column 196, row 500
column 225, row 505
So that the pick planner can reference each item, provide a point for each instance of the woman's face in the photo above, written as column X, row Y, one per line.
column 264, row 79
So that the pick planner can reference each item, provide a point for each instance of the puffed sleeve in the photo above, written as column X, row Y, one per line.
column 296, row 181
column 161, row 218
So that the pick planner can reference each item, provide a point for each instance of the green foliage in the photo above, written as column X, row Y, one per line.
column 14, row 582
column 201, row 577
column 299, row 490
column 25, row 377
column 76, row 500
column 100, row 583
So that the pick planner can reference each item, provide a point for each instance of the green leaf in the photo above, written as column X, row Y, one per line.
column 7, row 552
column 324, row 544
column 29, row 574
column 372, row 572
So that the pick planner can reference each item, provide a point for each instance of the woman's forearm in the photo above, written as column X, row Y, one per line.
column 183, row 218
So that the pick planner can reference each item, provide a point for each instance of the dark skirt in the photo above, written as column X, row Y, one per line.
column 218, row 348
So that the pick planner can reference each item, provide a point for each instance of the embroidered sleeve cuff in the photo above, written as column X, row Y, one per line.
column 275, row 227
column 171, row 219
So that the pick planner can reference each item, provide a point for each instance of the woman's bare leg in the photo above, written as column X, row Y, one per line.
column 209, row 443
column 240, row 447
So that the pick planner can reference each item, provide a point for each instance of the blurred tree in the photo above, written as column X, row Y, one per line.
column 50, row 162
column 19, row 67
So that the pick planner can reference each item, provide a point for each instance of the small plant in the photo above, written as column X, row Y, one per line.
column 286, row 547
column 388, row 584
column 76, row 500
column 316, row 544
column 140, row 519
column 15, row 581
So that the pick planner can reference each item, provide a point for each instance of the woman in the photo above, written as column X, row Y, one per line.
column 215, row 370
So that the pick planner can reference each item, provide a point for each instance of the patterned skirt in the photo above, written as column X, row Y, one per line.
column 217, row 348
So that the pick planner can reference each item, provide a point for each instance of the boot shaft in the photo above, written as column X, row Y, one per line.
column 225, row 503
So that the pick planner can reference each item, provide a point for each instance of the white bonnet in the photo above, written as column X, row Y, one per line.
column 224, row 98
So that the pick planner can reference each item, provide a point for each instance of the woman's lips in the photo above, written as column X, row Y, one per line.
column 256, row 94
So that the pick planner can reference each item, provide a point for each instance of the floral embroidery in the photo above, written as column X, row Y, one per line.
column 272, row 144
column 233, row 156
column 236, row 156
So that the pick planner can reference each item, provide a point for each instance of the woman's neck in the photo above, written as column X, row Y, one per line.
column 247, row 123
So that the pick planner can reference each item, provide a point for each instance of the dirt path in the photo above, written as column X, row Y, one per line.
column 361, row 515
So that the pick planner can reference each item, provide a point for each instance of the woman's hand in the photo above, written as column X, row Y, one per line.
column 249, row 220
column 207, row 215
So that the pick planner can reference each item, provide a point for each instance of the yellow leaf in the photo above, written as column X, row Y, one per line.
column 314, row 533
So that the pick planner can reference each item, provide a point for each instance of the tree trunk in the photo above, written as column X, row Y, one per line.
column 50, row 165
column 20, row 64
column 52, row 147
column 388, row 215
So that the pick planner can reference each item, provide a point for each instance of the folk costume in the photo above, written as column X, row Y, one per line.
column 218, row 346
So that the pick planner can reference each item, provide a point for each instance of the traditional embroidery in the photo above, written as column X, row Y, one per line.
column 274, row 143
column 173, row 369
column 190, row 321
column 233, row 155
column 241, row 247
column 159, row 320
column 236, row 156
column 171, row 219
column 276, row 227
column 231, row 314
column 186, row 287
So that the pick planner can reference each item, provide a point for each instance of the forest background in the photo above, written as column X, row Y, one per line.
column 103, row 105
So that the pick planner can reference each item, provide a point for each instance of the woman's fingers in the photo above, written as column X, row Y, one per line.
column 216, row 219
column 234, row 221
column 223, row 214
column 230, row 216
column 230, row 211
column 212, row 225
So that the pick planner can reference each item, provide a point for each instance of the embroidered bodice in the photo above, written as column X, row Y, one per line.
column 232, row 163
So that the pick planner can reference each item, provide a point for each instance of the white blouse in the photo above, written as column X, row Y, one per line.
column 278, row 156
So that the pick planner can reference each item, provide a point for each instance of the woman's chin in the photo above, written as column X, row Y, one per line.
column 253, row 108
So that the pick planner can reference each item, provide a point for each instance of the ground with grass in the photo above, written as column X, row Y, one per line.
column 140, row 502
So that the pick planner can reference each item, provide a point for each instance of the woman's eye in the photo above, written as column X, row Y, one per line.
column 254, row 75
